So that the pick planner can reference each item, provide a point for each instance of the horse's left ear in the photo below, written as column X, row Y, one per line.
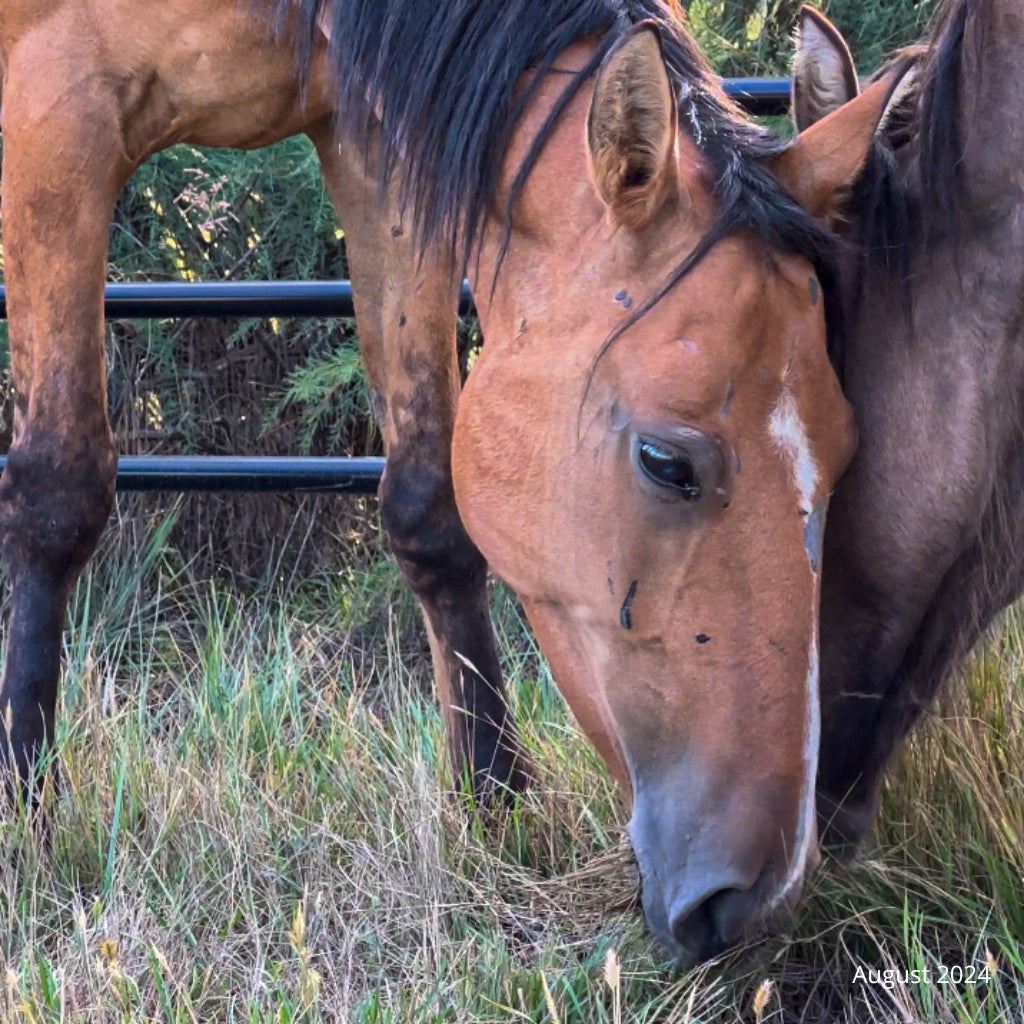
column 828, row 155
column 824, row 77
column 631, row 129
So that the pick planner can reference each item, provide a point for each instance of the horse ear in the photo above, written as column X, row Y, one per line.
column 824, row 77
column 827, row 157
column 631, row 129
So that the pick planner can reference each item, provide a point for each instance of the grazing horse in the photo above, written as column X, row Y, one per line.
column 646, row 447
column 925, row 542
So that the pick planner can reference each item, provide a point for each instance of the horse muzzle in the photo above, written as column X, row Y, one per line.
column 714, row 877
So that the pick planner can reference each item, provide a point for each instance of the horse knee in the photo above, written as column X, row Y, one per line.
column 423, row 525
column 54, row 502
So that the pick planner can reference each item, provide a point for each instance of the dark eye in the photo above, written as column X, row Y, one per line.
column 669, row 467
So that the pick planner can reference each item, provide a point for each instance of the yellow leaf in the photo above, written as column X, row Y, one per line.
column 755, row 25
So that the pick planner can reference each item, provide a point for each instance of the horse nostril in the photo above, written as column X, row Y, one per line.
column 711, row 926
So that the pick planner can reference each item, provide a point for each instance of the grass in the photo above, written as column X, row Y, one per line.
column 256, row 824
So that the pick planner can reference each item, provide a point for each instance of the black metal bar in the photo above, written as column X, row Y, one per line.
column 760, row 96
column 158, row 300
column 266, row 474
column 149, row 301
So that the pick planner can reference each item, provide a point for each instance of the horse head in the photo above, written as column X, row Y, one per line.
column 649, row 466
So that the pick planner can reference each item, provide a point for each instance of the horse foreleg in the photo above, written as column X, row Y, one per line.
column 62, row 169
column 406, row 314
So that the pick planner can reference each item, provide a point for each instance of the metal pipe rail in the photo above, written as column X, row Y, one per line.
column 762, row 97
column 254, row 474
column 159, row 300
column 267, row 474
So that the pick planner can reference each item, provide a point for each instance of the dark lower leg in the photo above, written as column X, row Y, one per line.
column 480, row 731
column 28, row 695
column 53, row 505
column 846, row 782
column 449, row 576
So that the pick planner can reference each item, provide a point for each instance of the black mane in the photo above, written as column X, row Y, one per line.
column 441, row 77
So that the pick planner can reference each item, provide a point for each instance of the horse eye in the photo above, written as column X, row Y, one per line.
column 669, row 467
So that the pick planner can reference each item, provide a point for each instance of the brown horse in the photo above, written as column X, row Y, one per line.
column 645, row 449
column 926, row 530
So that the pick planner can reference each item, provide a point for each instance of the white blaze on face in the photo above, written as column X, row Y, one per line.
column 790, row 436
